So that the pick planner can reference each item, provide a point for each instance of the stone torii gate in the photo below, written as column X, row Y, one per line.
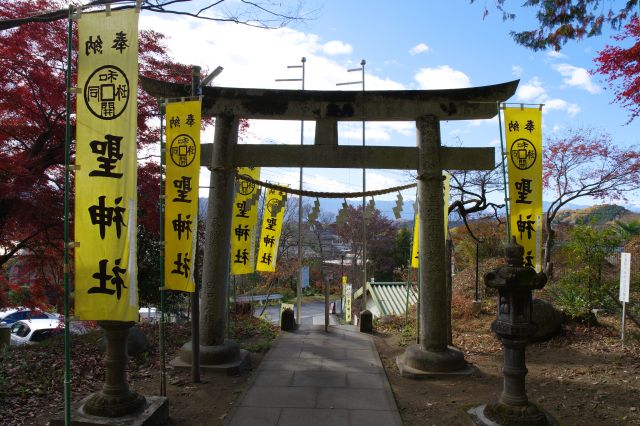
column 426, row 107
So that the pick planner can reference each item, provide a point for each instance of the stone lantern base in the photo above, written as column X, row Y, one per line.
column 154, row 412
column 417, row 362
column 502, row 415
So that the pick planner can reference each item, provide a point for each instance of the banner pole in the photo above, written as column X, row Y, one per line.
column 195, row 296
column 409, row 269
column 622, row 325
column 67, row 149
column 163, row 378
column 504, row 174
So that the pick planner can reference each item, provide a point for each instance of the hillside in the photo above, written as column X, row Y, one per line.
column 600, row 215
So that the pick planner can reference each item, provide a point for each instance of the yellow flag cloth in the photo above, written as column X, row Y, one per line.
column 523, row 136
column 105, row 196
column 272, row 219
column 181, row 194
column 243, row 223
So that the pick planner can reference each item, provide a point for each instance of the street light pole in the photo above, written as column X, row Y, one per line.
column 303, row 60
column 364, row 189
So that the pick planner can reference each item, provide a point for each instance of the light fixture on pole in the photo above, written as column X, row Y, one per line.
column 364, row 188
column 303, row 60
column 216, row 72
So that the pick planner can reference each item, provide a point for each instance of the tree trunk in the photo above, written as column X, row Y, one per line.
column 547, row 265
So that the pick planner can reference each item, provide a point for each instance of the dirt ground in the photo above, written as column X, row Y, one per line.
column 205, row 403
column 583, row 377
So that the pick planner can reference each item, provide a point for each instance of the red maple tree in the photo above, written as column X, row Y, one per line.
column 585, row 164
column 32, row 140
column 621, row 67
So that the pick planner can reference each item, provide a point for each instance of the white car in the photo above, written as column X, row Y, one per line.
column 34, row 330
column 9, row 316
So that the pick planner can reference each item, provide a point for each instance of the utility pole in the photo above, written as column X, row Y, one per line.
column 303, row 60
column 364, row 189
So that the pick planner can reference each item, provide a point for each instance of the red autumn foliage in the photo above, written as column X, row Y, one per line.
column 32, row 140
column 621, row 66
column 585, row 163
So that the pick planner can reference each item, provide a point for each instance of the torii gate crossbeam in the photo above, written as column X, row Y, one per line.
column 426, row 107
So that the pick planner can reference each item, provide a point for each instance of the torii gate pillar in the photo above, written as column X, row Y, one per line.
column 432, row 354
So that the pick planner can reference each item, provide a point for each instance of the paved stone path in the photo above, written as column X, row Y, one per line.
column 312, row 377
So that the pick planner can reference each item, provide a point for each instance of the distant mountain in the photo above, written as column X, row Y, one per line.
column 601, row 215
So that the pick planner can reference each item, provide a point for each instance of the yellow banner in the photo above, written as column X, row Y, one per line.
column 523, row 135
column 182, row 156
column 416, row 223
column 106, row 198
column 273, row 217
column 415, row 245
column 243, row 223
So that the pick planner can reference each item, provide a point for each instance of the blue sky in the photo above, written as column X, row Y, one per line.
column 408, row 44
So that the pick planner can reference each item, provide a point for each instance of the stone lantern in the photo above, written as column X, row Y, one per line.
column 514, row 327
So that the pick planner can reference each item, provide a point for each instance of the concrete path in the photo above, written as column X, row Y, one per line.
column 310, row 378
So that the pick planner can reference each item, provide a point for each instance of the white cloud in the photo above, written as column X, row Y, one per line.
column 576, row 76
column 442, row 77
column 534, row 92
column 531, row 91
column 555, row 55
column 418, row 48
column 517, row 70
column 562, row 105
column 336, row 47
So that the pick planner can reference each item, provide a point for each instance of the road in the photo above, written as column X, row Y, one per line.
column 312, row 313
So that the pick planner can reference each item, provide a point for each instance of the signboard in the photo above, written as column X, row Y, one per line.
column 105, row 217
column 523, row 134
column 625, row 274
column 181, row 194
column 305, row 276
column 347, row 302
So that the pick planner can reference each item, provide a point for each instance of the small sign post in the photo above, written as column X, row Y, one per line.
column 625, row 273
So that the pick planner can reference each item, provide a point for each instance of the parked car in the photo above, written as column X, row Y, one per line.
column 9, row 316
column 34, row 330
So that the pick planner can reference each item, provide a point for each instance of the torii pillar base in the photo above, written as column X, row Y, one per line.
column 417, row 362
column 227, row 358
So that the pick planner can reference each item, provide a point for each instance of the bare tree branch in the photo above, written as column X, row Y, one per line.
column 253, row 14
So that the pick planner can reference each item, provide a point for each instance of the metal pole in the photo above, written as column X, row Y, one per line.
column 66, row 270
column 163, row 377
column 504, row 174
column 303, row 60
column 406, row 306
column 624, row 304
column 299, row 288
column 364, row 188
column 364, row 217
column 195, row 296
